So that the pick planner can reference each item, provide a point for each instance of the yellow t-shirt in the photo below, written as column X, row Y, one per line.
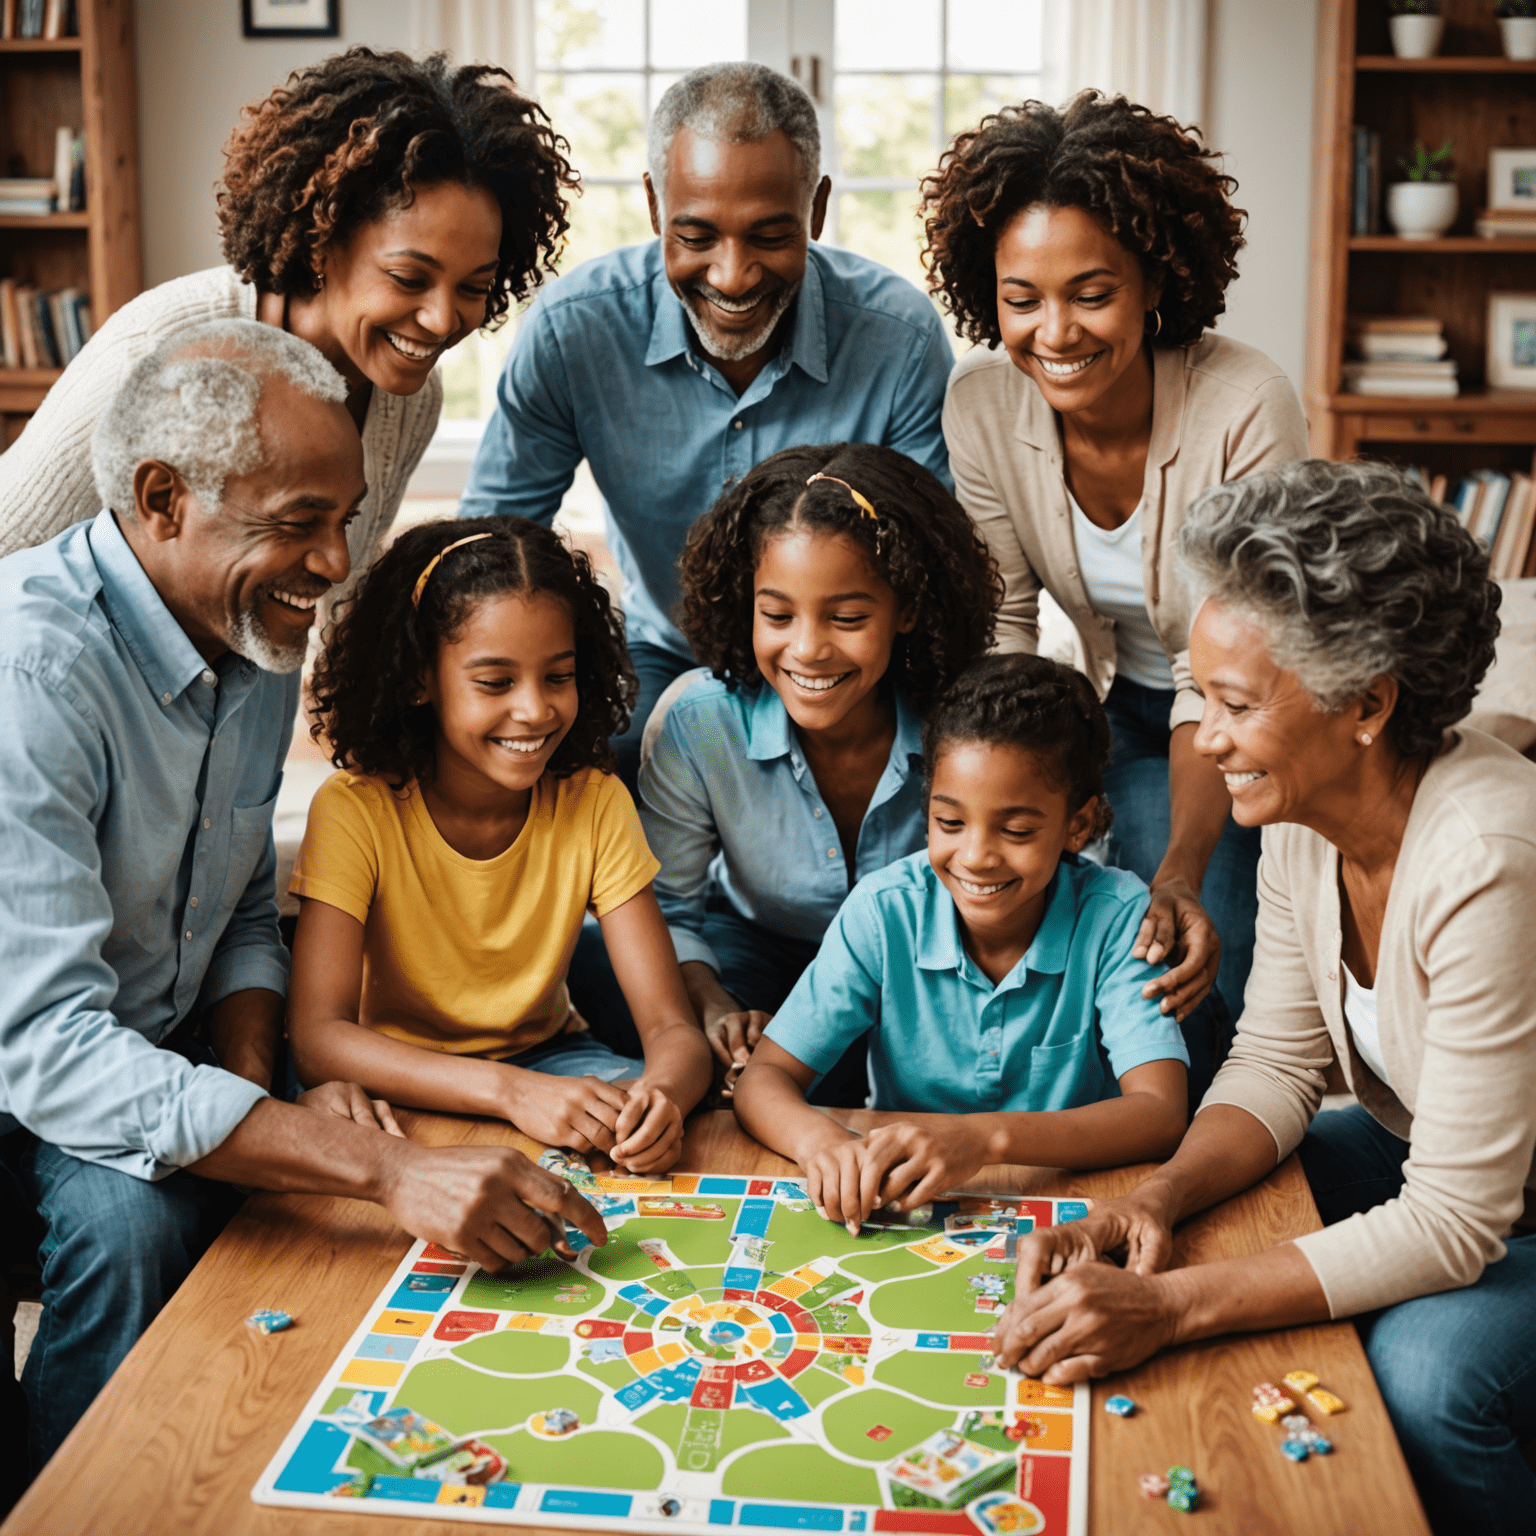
column 469, row 955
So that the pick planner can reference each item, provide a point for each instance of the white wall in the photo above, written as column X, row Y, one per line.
column 1259, row 115
column 196, row 71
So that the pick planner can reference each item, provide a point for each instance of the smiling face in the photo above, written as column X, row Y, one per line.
column 504, row 691
column 1284, row 758
column 823, row 625
column 404, row 288
column 736, row 230
column 1071, row 305
column 997, row 828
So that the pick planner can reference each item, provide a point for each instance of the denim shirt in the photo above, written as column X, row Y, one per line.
column 605, row 368
column 137, row 786
column 727, row 799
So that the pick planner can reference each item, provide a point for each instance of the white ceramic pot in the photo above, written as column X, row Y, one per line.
column 1421, row 210
column 1519, row 36
column 1417, row 37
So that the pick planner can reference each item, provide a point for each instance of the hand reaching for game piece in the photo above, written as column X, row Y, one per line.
column 919, row 1163
column 648, row 1136
column 733, row 1036
column 577, row 1112
column 348, row 1101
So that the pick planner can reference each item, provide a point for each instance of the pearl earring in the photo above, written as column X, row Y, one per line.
column 1365, row 739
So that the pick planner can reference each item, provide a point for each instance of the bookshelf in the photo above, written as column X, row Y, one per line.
column 85, row 82
column 1477, row 98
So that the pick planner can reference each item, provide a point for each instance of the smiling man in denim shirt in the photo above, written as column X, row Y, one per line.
column 675, row 366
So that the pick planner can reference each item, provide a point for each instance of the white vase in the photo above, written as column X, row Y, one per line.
column 1421, row 210
column 1417, row 37
column 1519, row 36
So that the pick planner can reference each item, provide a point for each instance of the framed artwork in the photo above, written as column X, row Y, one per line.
column 1512, row 340
column 1512, row 178
column 290, row 18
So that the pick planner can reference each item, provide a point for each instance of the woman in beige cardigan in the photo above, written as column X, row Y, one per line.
column 378, row 207
column 1095, row 245
column 1347, row 623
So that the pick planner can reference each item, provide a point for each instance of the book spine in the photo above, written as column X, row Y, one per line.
column 1373, row 212
column 1361, row 219
column 26, row 328
column 10, row 343
column 63, row 166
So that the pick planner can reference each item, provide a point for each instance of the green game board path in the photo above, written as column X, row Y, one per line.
column 627, row 1459
column 470, row 1401
column 799, row 1472
column 847, row 1422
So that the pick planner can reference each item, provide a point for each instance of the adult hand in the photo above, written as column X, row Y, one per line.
column 581, row 1113
column 351, row 1102
column 733, row 1036
column 489, row 1203
column 837, row 1182
column 649, row 1134
column 915, row 1163
column 1136, row 1226
column 1177, row 929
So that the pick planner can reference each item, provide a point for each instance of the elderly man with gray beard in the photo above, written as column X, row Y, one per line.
column 149, row 680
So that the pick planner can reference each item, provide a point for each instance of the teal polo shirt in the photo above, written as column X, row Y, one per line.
column 1057, row 1031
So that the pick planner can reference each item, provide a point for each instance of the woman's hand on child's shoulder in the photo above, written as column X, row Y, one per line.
column 581, row 1113
column 649, row 1133
column 348, row 1101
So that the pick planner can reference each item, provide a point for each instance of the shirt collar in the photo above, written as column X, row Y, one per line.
column 768, row 730
column 158, row 644
column 938, row 940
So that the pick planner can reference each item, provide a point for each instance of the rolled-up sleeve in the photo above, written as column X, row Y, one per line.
column 1134, row 1028
column 70, row 1071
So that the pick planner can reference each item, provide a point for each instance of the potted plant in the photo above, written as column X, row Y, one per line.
column 1517, row 21
column 1417, row 27
column 1424, row 205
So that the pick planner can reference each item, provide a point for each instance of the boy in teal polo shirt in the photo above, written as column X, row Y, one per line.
column 995, row 972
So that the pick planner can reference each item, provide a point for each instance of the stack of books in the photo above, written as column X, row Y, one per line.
column 1506, row 223
column 1500, row 510
column 28, row 195
column 1398, row 355
column 42, row 330
column 39, row 18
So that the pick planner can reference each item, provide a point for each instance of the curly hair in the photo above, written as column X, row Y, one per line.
column 920, row 541
column 1353, row 573
column 382, row 643
column 349, row 139
column 1151, row 183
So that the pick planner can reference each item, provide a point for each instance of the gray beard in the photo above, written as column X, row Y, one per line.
column 249, row 639
column 733, row 349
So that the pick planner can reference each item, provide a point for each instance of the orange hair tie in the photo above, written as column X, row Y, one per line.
column 865, row 505
column 421, row 581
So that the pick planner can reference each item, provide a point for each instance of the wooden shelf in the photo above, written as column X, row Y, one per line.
column 1471, row 402
column 22, row 389
column 39, row 45
column 1478, row 64
column 1448, row 245
column 81, row 220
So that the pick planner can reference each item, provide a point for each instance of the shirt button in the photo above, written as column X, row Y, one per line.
column 210, row 678
column 831, row 853
column 165, row 698
column 736, row 425
column 817, row 813
column 206, row 824
column 188, row 935
column 194, row 901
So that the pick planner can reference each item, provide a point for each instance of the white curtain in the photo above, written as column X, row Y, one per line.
column 478, row 32
column 1152, row 51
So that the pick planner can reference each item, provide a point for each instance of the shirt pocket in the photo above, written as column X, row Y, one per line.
column 1063, row 1076
column 249, row 828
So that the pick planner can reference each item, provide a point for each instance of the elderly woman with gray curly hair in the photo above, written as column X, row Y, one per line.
column 1345, row 622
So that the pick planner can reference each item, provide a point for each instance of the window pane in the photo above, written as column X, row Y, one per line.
column 603, row 219
column 971, row 97
column 885, row 125
column 687, row 33
column 887, row 34
column 995, row 34
column 604, row 118
column 590, row 34
column 660, row 84
column 885, row 227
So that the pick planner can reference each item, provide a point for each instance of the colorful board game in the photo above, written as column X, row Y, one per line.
column 729, row 1360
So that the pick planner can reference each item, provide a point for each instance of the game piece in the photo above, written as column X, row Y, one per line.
column 1181, row 1477
column 1325, row 1402
column 1301, row 1381
column 670, row 1508
column 1318, row 1445
column 565, row 1371
column 1294, row 1450
column 269, row 1320
column 1153, row 1485
column 1297, row 1424
column 1181, row 1496
column 1122, row 1407
column 1269, row 1402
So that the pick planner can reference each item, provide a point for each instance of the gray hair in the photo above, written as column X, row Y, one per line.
column 192, row 403
column 1353, row 573
column 739, row 103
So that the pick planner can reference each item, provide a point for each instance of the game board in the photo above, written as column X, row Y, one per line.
column 729, row 1359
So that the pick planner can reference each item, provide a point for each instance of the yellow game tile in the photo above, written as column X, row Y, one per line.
column 1300, row 1381
column 1048, row 1431
column 526, row 1322
column 807, row 1341
column 1271, row 1413
column 809, row 1275
column 685, row 1183
column 372, row 1373
column 413, row 1323
column 671, row 1353
column 1326, row 1402
column 1037, row 1394
column 788, row 1288
column 760, row 1338
column 940, row 1252
column 646, row 1361
column 451, row 1493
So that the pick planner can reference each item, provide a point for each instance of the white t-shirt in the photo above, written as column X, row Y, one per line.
column 1360, row 1015
column 1110, row 560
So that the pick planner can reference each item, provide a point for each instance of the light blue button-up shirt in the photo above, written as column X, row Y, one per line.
column 605, row 368
column 726, row 798
column 136, row 795
column 1057, row 1031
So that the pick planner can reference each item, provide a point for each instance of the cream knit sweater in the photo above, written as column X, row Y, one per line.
column 46, row 483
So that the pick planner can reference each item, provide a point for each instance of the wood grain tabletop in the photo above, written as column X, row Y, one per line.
column 180, row 1434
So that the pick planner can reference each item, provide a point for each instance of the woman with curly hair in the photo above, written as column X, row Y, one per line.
column 1347, row 622
column 469, row 691
column 377, row 206
column 991, row 972
column 1094, row 243
column 834, row 592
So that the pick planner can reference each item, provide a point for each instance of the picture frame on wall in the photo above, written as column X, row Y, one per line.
column 290, row 18
column 1512, row 179
column 1512, row 340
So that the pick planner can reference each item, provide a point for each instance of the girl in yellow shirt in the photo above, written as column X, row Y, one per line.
column 468, row 693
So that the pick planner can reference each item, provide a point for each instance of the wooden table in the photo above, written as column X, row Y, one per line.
column 179, row 1436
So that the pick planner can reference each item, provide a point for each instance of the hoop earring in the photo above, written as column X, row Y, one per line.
column 1157, row 315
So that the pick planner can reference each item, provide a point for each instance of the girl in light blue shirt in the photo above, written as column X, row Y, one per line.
column 834, row 592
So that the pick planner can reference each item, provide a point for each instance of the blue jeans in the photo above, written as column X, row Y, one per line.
column 1137, row 787
column 578, row 1055
column 657, row 670
column 114, row 1249
column 1457, row 1369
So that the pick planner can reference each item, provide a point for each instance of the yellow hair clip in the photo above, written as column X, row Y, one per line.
column 865, row 505
column 421, row 581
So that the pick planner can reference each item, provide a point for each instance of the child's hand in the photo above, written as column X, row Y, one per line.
column 649, row 1133
column 581, row 1113
column 732, row 1036
column 917, row 1163
column 350, row 1102
column 842, row 1182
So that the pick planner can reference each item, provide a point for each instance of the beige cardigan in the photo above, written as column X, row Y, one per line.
column 1456, row 1009
column 46, row 483
column 1220, row 409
